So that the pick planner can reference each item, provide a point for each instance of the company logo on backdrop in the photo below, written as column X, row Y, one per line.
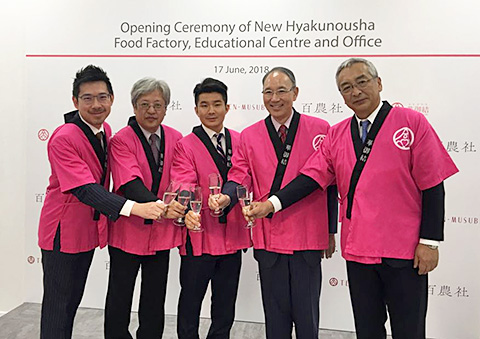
column 247, row 107
column 448, row 291
column 34, row 260
column 419, row 107
column 321, row 108
column 334, row 282
column 43, row 134
column 175, row 105
column 464, row 146
column 465, row 220
column 452, row 291
column 39, row 197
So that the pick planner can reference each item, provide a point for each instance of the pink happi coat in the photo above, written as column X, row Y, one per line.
column 303, row 226
column 128, row 162
column 192, row 164
column 73, row 163
column 407, row 157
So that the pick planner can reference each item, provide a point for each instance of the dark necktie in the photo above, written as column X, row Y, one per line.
column 99, row 136
column 153, row 140
column 364, row 124
column 282, row 133
column 220, row 150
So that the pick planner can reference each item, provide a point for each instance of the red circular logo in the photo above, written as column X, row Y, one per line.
column 333, row 281
column 31, row 260
column 397, row 104
column 43, row 134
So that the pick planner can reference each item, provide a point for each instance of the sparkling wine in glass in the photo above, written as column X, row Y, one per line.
column 183, row 197
column 196, row 205
column 169, row 195
column 245, row 200
column 215, row 186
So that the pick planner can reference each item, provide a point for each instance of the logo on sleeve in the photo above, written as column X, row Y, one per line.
column 317, row 141
column 403, row 138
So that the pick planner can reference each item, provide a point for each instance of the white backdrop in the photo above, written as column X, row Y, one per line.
column 427, row 54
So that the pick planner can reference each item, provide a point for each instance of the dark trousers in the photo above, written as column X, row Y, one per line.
column 223, row 272
column 64, row 278
column 121, row 284
column 290, row 293
column 394, row 285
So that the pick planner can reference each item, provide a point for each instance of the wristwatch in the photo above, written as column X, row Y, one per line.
column 432, row 247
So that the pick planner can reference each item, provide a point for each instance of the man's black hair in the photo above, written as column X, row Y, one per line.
column 90, row 73
column 210, row 85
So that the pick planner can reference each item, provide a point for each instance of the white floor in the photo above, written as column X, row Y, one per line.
column 23, row 323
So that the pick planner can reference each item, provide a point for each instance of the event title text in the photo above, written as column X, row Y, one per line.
column 183, row 36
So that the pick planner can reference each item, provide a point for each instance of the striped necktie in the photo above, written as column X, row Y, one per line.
column 220, row 150
column 153, row 140
column 282, row 133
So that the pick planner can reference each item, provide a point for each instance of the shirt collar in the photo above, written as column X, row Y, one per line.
column 372, row 116
column 147, row 133
column 93, row 128
column 211, row 133
column 277, row 125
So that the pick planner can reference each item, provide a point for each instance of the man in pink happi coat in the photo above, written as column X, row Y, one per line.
column 212, row 253
column 389, row 165
column 288, row 246
column 73, row 221
column 141, row 157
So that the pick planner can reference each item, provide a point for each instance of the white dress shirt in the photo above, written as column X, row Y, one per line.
column 147, row 134
column 212, row 135
column 370, row 118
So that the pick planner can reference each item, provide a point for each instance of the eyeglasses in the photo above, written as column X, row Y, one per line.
column 360, row 84
column 102, row 98
column 268, row 93
column 145, row 106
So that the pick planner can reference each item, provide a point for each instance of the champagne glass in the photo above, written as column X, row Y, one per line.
column 196, row 205
column 245, row 199
column 169, row 195
column 183, row 198
column 215, row 186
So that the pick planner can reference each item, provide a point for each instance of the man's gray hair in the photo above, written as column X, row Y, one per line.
column 148, row 85
column 283, row 70
column 352, row 61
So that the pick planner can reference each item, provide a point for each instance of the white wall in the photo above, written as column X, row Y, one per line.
column 34, row 92
column 13, row 150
